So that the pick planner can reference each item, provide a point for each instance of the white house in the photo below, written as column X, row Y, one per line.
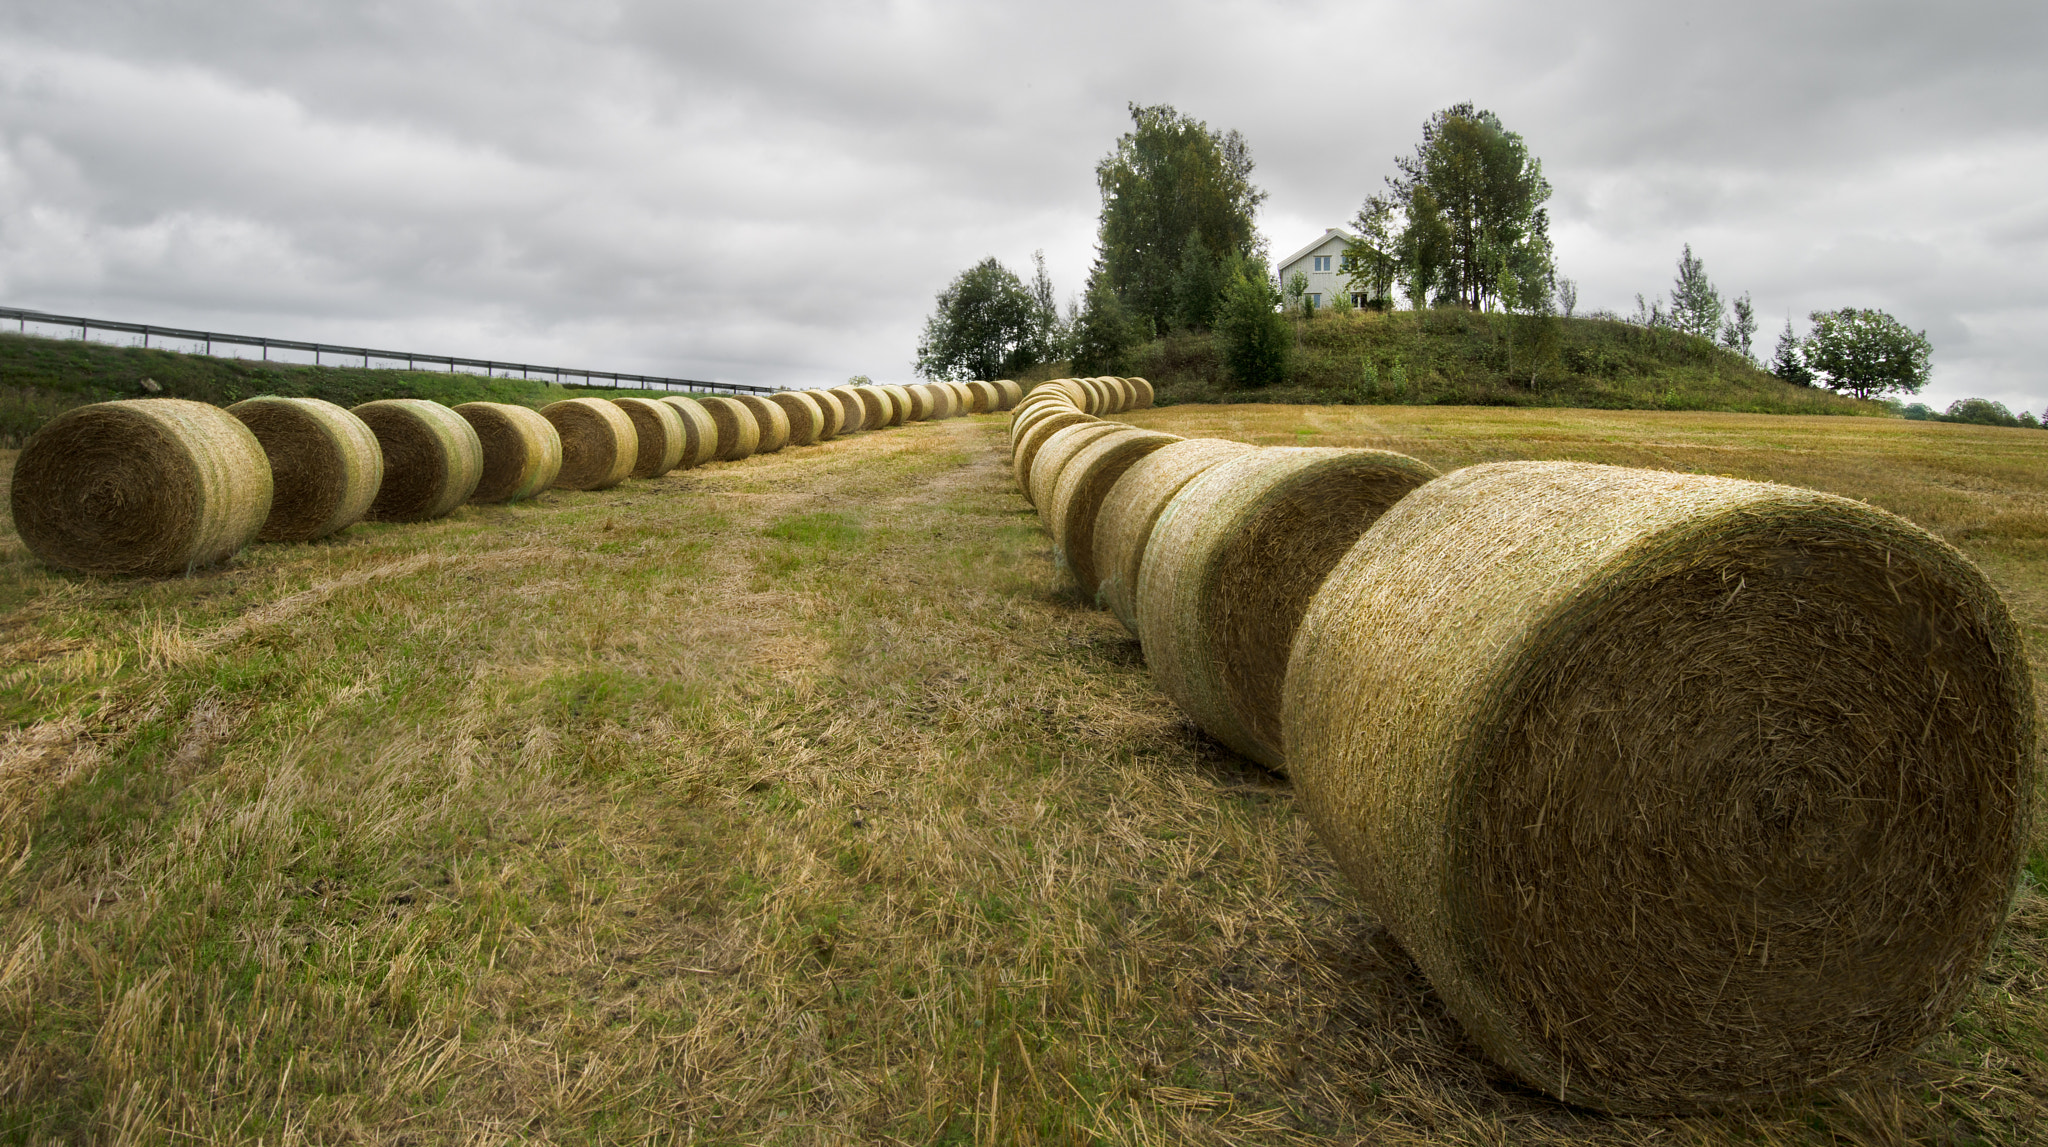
column 1322, row 264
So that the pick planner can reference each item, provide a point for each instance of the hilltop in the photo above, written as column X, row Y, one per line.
column 1450, row 356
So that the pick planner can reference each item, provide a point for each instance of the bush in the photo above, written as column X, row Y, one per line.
column 1980, row 412
column 1251, row 336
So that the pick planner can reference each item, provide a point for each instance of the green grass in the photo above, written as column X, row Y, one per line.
column 792, row 800
column 1455, row 357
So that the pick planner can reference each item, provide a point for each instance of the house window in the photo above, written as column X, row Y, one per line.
column 1315, row 298
column 1322, row 262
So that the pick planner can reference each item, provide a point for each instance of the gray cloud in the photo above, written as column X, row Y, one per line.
column 773, row 192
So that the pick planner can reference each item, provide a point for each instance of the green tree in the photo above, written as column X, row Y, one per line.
column 1369, row 259
column 1103, row 331
column 1867, row 353
column 987, row 325
column 1789, row 363
column 1170, row 178
column 1470, row 199
column 1198, row 285
column 1251, row 336
column 1981, row 412
column 1052, row 334
column 1695, row 304
column 1739, row 333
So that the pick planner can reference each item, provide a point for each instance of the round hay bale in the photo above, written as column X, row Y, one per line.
column 853, row 415
column 1098, row 397
column 432, row 459
column 1041, row 397
column 700, row 432
column 151, row 486
column 878, row 407
column 981, row 397
column 800, row 410
column 1123, row 526
column 1053, row 455
column 599, row 444
column 1034, row 437
column 738, row 431
column 830, row 413
column 1076, row 500
column 963, row 402
column 940, row 399
column 522, row 453
column 325, row 466
column 920, row 403
column 1029, row 418
column 1126, row 394
column 1144, row 391
column 1683, row 791
column 1009, row 394
column 1232, row 563
column 901, row 400
column 658, row 434
column 773, row 422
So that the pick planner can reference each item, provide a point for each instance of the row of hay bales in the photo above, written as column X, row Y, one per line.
column 163, row 486
column 1684, row 791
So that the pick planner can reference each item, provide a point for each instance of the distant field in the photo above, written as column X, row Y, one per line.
column 790, row 801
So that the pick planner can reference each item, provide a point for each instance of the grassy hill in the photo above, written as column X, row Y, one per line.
column 1455, row 357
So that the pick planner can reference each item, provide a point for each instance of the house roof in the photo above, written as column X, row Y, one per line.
column 1298, row 256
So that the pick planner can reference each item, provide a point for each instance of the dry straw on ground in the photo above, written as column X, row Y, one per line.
column 432, row 459
column 599, row 444
column 738, row 432
column 1123, row 526
column 1232, row 563
column 658, row 435
column 1077, row 498
column 325, row 466
column 522, row 453
column 700, row 432
column 806, row 421
column 1059, row 448
column 154, row 486
column 769, row 417
column 1684, row 791
column 1032, row 439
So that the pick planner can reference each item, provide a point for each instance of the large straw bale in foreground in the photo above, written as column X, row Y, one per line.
column 769, row 417
column 1029, row 443
column 1683, row 791
column 599, row 444
column 700, row 431
column 1123, row 526
column 150, row 486
column 659, row 436
column 1060, row 448
column 1232, row 564
column 1086, row 479
column 432, row 459
column 325, row 466
column 522, row 453
column 738, row 432
column 806, row 421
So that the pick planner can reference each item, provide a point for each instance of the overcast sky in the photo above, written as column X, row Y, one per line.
column 773, row 192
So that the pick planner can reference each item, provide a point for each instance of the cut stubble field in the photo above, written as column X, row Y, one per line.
column 792, row 800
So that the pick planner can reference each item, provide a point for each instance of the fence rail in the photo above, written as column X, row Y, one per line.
column 411, row 359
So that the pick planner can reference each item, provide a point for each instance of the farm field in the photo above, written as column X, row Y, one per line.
column 792, row 800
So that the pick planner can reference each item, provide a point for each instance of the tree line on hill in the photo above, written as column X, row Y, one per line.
column 1461, row 223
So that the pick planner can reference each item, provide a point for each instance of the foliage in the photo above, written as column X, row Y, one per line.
column 1198, row 285
column 1739, row 332
column 1170, row 180
column 1470, row 200
column 1567, row 297
column 1919, row 412
column 988, row 325
column 1789, row 364
column 1695, row 304
column 1867, row 353
column 1104, row 331
column 1369, row 259
column 1979, row 412
column 1252, row 339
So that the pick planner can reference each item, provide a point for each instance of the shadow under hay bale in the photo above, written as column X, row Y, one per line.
column 599, row 444
column 1123, row 526
column 738, row 430
column 1232, row 564
column 154, row 486
column 700, row 433
column 325, row 466
column 432, row 459
column 522, row 452
column 1684, row 791
column 1077, row 498
column 659, row 436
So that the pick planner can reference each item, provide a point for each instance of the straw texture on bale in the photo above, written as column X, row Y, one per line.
column 325, row 466
column 432, row 459
column 920, row 403
column 1144, row 392
column 1009, row 393
column 1684, row 791
column 801, row 412
column 1123, row 526
column 1120, row 394
column 940, row 398
column 853, row 416
column 658, row 435
column 981, row 397
column 1026, row 419
column 963, row 402
column 769, row 417
column 1232, row 564
column 1053, row 455
column 599, row 444
column 830, row 413
column 700, row 433
column 150, row 486
column 876, row 405
column 1034, row 437
column 1107, row 395
column 522, row 453
column 1041, row 397
column 1085, row 480
column 899, row 399
column 738, row 432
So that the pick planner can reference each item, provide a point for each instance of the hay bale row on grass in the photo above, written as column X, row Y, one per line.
column 1685, row 792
